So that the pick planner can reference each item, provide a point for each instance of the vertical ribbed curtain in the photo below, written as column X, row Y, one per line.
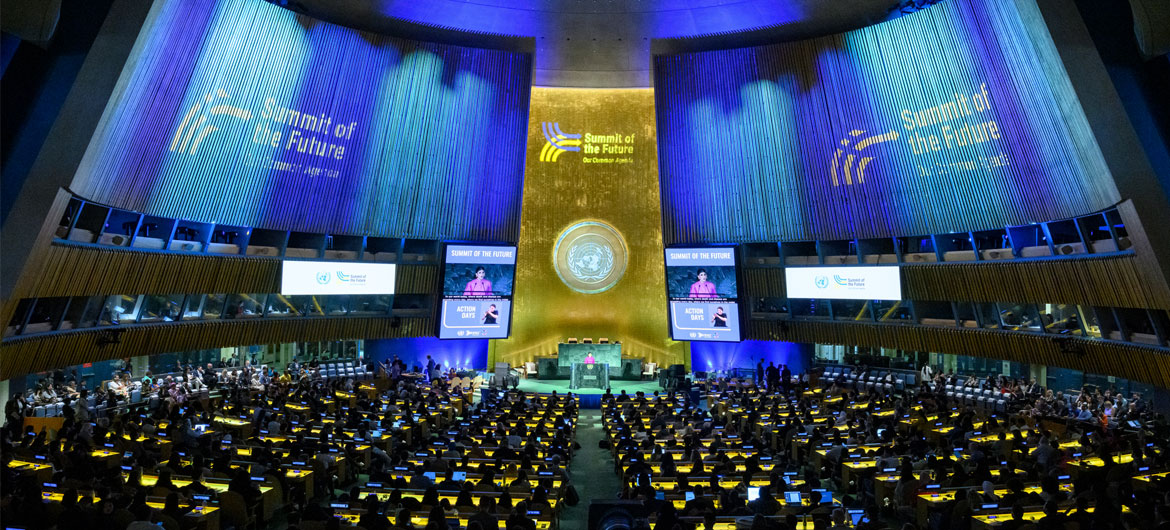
column 242, row 112
column 958, row 117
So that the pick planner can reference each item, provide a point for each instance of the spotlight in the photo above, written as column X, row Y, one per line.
column 906, row 7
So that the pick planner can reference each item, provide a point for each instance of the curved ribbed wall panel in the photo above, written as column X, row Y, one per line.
column 85, row 271
column 1102, row 281
column 957, row 117
column 242, row 112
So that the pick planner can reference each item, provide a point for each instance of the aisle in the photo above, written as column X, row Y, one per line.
column 592, row 471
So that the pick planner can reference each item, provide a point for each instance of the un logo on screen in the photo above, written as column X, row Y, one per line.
column 590, row 257
column 323, row 277
column 822, row 282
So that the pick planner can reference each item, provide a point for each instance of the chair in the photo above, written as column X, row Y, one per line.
column 235, row 510
column 651, row 370
column 529, row 369
column 572, row 340
column 588, row 341
column 603, row 340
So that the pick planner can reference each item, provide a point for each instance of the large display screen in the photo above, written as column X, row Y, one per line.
column 477, row 292
column 844, row 283
column 331, row 277
column 246, row 113
column 702, row 293
column 956, row 117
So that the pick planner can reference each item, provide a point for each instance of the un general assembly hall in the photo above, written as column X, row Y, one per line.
column 585, row 264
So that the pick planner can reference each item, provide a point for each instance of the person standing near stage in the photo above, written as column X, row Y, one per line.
column 760, row 373
column 785, row 377
column 773, row 377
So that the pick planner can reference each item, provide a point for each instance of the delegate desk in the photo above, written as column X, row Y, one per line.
column 351, row 516
column 589, row 375
column 38, row 467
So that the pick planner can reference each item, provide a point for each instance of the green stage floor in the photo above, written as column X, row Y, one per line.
column 562, row 386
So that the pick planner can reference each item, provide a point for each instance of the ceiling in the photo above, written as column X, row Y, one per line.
column 607, row 43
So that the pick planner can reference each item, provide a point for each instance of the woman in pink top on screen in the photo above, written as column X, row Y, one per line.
column 702, row 288
column 480, row 286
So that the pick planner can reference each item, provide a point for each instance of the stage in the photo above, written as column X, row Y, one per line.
column 590, row 397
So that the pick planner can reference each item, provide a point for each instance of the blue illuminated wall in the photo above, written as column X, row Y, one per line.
column 957, row 117
column 243, row 112
column 462, row 354
column 719, row 356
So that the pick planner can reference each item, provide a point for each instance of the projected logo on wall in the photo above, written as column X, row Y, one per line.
column 590, row 257
column 188, row 126
column 558, row 142
column 942, row 127
column 288, row 130
column 865, row 160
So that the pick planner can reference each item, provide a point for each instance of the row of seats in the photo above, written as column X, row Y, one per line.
column 345, row 369
column 873, row 380
column 986, row 398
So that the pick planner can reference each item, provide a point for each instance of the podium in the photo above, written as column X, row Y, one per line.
column 594, row 375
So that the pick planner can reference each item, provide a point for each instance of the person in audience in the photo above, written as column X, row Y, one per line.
column 486, row 515
column 765, row 504
column 519, row 518
column 1017, row 521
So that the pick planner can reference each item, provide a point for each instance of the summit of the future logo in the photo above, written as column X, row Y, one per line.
column 557, row 141
column 845, row 157
column 186, row 139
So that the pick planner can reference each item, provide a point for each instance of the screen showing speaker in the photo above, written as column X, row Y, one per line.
column 331, row 277
column 703, row 293
column 477, row 291
column 844, row 283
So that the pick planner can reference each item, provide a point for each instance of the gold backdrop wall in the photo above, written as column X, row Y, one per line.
column 614, row 186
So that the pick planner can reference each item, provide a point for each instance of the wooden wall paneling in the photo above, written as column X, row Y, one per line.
column 83, row 271
column 1111, row 280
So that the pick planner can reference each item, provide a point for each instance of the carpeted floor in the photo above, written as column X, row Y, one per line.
column 592, row 470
